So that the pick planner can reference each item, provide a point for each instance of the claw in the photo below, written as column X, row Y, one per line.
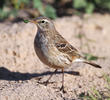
column 62, row 89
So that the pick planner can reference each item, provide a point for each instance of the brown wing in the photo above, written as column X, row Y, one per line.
column 63, row 46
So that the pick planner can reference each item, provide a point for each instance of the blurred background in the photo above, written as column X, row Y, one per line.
column 12, row 9
column 87, row 28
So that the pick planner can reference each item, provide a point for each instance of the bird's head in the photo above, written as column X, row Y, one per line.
column 43, row 23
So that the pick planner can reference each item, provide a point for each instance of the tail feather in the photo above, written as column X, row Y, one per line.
column 87, row 62
column 93, row 64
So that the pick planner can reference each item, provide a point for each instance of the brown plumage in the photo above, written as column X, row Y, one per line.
column 52, row 49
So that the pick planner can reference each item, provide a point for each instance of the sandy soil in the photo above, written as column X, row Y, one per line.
column 20, row 69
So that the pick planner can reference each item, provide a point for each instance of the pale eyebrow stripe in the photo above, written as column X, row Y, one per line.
column 46, row 20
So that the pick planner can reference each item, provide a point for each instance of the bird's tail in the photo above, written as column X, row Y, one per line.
column 87, row 62
column 93, row 64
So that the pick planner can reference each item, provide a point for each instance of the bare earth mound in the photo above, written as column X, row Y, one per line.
column 20, row 69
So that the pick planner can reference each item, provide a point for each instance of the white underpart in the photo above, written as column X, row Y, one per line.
column 78, row 60
column 63, row 59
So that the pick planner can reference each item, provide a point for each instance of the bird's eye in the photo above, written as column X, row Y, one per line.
column 42, row 21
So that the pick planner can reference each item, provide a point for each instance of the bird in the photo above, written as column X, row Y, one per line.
column 53, row 49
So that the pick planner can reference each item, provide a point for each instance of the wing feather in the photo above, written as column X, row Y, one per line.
column 63, row 46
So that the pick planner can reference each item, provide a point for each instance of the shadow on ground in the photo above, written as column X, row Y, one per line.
column 6, row 74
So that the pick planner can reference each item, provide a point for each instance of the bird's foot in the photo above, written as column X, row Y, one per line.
column 46, row 83
column 62, row 89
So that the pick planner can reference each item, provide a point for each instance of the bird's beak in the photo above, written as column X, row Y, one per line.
column 33, row 21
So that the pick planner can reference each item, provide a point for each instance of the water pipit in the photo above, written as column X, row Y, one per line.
column 53, row 50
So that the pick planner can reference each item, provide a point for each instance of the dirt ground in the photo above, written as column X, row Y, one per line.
column 20, row 69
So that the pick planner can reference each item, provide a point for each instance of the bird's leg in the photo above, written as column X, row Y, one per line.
column 62, row 87
column 46, row 82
